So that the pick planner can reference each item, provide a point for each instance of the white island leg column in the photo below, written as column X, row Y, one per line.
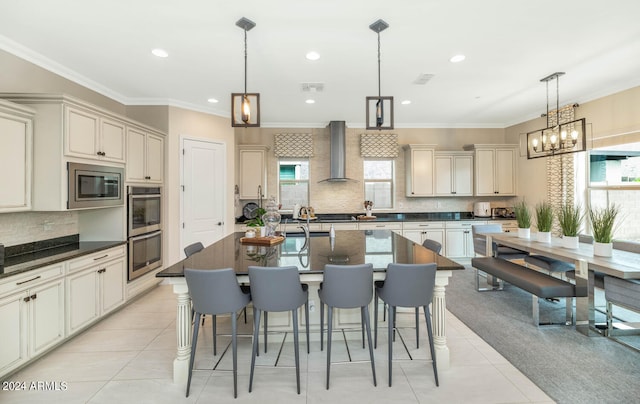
column 183, row 334
column 439, row 310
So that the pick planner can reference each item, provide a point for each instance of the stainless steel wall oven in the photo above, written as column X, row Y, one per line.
column 144, row 213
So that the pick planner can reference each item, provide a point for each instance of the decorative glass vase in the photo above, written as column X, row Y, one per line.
column 271, row 218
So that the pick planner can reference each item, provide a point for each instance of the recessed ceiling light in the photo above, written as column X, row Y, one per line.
column 310, row 101
column 161, row 53
column 457, row 58
column 212, row 100
column 313, row 55
column 406, row 102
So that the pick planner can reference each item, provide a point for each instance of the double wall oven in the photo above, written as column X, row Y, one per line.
column 144, row 214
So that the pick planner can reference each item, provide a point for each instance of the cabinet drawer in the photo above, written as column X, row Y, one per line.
column 31, row 278
column 96, row 258
column 461, row 225
column 423, row 225
column 380, row 226
column 340, row 226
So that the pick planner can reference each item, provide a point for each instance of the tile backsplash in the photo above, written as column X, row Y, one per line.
column 26, row 227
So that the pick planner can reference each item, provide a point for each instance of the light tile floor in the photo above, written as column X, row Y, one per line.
column 127, row 358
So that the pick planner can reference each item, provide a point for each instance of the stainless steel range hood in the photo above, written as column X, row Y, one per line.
column 337, row 152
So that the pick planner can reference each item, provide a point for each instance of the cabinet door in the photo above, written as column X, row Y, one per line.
column 46, row 316
column 505, row 171
column 112, row 136
column 113, row 282
column 455, row 243
column 420, row 173
column 485, row 163
column 252, row 173
column 82, row 299
column 81, row 133
column 154, row 158
column 413, row 235
column 13, row 349
column 136, row 155
column 434, row 234
column 444, row 175
column 463, row 175
column 15, row 163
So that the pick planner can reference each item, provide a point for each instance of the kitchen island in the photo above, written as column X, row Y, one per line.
column 378, row 247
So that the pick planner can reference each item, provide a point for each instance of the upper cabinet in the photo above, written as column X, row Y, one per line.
column 453, row 173
column 16, row 137
column 419, row 160
column 495, row 169
column 145, row 156
column 90, row 135
column 252, row 165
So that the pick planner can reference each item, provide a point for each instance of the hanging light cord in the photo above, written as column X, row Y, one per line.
column 245, row 61
column 379, row 91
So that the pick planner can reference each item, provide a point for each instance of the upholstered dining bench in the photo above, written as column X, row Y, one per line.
column 540, row 285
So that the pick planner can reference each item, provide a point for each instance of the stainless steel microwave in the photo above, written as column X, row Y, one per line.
column 93, row 186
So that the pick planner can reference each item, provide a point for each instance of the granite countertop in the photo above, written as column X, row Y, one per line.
column 26, row 257
column 389, row 217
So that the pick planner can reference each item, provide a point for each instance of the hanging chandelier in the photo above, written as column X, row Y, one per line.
column 556, row 137
column 376, row 106
column 245, row 107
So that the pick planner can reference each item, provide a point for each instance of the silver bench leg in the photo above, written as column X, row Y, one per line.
column 495, row 283
column 568, row 301
column 536, row 310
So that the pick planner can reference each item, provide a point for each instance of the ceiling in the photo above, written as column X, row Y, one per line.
column 509, row 46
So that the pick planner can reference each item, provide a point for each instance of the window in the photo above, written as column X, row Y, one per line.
column 378, row 183
column 293, row 182
column 614, row 178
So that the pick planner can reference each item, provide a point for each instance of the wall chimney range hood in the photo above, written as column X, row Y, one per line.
column 337, row 152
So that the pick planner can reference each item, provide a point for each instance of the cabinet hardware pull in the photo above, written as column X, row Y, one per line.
column 102, row 270
column 34, row 296
column 99, row 258
column 26, row 299
column 29, row 280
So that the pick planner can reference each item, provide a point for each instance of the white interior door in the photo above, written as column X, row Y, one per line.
column 203, row 191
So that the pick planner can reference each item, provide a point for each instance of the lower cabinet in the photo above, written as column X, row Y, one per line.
column 418, row 232
column 459, row 240
column 95, row 288
column 31, row 317
column 396, row 227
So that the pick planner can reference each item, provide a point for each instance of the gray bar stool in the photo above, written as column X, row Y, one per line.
column 346, row 287
column 407, row 285
column 278, row 289
column 215, row 291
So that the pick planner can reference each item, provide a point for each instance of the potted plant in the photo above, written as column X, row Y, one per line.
column 257, row 222
column 570, row 219
column 523, row 217
column 603, row 223
column 544, row 221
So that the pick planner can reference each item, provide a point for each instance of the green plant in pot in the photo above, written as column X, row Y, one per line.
column 544, row 221
column 256, row 221
column 603, row 223
column 523, row 217
column 570, row 219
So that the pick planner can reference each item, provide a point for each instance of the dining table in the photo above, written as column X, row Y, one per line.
column 310, row 255
column 621, row 264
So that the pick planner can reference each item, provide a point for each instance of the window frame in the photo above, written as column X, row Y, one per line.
column 391, row 181
column 280, row 181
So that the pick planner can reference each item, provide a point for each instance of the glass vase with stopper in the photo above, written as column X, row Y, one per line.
column 271, row 218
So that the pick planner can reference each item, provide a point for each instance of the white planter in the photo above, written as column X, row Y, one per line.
column 602, row 249
column 570, row 242
column 524, row 233
column 544, row 236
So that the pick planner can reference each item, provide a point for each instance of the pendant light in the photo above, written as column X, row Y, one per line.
column 559, row 138
column 376, row 106
column 245, row 107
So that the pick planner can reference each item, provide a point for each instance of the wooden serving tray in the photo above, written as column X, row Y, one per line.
column 262, row 240
column 364, row 217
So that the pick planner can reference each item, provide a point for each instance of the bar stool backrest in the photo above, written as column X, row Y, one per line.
column 193, row 248
column 479, row 241
column 215, row 291
column 276, row 288
column 347, row 286
column 432, row 245
column 409, row 285
column 631, row 246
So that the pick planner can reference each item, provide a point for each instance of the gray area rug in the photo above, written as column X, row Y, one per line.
column 568, row 366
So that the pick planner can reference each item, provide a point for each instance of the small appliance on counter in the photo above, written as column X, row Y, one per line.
column 503, row 213
column 482, row 209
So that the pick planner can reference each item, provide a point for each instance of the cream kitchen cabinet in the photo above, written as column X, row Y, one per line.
column 91, row 135
column 16, row 154
column 31, row 315
column 495, row 169
column 95, row 286
column 145, row 156
column 453, row 173
column 419, row 162
column 396, row 227
column 340, row 226
column 458, row 239
column 252, row 180
column 418, row 232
